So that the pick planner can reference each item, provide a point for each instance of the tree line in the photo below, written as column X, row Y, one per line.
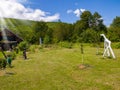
column 87, row 29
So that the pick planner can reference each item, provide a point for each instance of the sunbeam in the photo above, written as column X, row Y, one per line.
column 4, row 36
column 3, row 26
column 9, row 23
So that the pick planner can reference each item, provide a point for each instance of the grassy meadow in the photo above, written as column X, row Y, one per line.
column 56, row 68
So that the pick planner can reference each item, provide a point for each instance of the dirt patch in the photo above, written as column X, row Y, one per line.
column 83, row 66
column 2, row 72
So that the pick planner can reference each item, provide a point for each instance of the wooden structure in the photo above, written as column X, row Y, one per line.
column 12, row 39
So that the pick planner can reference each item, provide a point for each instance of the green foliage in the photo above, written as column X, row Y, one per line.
column 35, row 48
column 114, row 30
column 63, row 32
column 118, row 45
column 88, row 28
column 114, row 34
column 116, row 22
column 23, row 45
column 40, row 29
column 32, row 48
column 65, row 44
column 79, row 28
column 90, row 36
column 12, row 54
column 82, row 24
column 86, row 16
column 2, row 63
column 55, row 32
column 48, row 37
column 25, row 32
column 21, row 28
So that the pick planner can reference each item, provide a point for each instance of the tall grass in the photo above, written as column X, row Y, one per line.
column 57, row 69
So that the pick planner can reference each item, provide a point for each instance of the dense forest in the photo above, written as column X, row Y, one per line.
column 87, row 29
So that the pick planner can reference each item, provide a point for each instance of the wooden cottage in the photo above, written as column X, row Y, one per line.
column 8, row 39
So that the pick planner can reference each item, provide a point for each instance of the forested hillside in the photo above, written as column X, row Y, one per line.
column 86, row 29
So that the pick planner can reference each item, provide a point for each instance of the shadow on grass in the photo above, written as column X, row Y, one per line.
column 9, row 73
column 108, row 58
column 6, row 73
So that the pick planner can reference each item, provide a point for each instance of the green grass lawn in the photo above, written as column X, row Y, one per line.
column 58, row 69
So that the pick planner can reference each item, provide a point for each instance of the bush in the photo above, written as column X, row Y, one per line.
column 23, row 45
column 34, row 48
column 12, row 54
column 65, row 44
column 2, row 63
column 117, row 45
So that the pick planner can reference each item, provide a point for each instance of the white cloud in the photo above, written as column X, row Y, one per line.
column 82, row 10
column 69, row 11
column 51, row 18
column 77, row 12
column 14, row 9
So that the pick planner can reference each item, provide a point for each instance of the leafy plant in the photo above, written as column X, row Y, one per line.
column 2, row 63
column 23, row 45
column 12, row 54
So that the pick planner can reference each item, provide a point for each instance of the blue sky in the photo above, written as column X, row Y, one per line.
column 65, row 10
column 108, row 9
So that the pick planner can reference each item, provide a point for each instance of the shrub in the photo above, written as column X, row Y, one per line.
column 2, row 63
column 34, row 48
column 117, row 45
column 23, row 45
column 12, row 54
column 65, row 44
